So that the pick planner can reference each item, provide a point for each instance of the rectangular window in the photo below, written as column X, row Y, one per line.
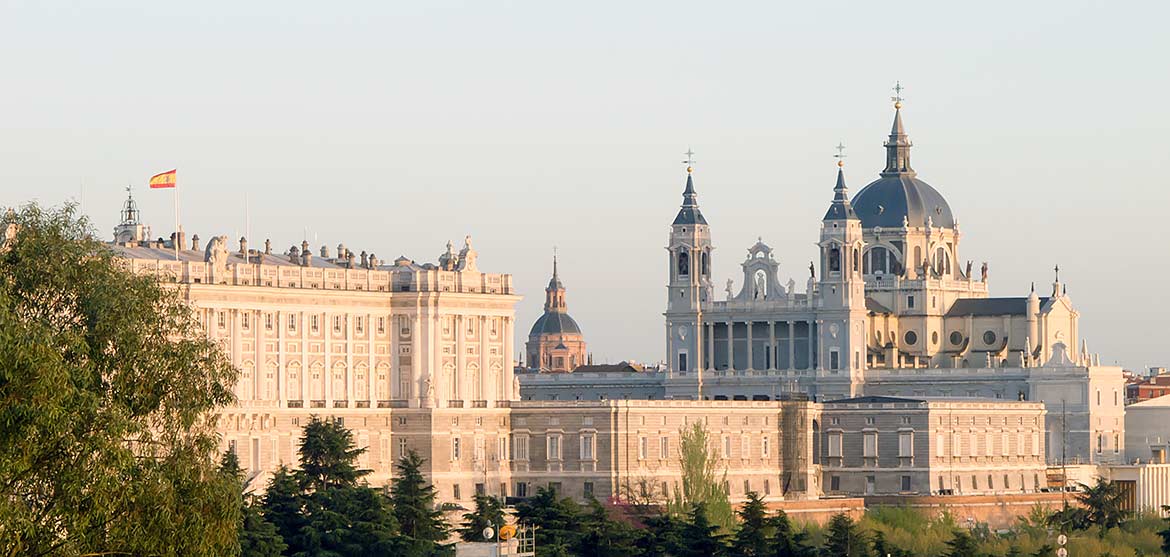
column 834, row 483
column 480, row 489
column 520, row 447
column 910, row 302
column 906, row 444
column 957, row 445
column 663, row 447
column 337, row 323
column 745, row 446
column 381, row 325
column 726, row 446
column 292, row 322
column 765, row 446
column 834, row 445
column 455, row 491
column 834, row 360
column 313, row 323
column 1035, row 444
column 553, row 447
column 905, row 483
column 384, row 449
column 587, row 447
column 587, row 488
column 682, row 361
column 1004, row 440
column 246, row 319
column 358, row 324
column 767, row 487
column 268, row 321
column 941, row 441
column 642, row 444
column 521, row 490
column 502, row 448
column 456, row 448
column 222, row 319
column 870, row 445
column 555, row 487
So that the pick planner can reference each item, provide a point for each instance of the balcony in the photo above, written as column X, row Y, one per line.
column 454, row 404
column 479, row 404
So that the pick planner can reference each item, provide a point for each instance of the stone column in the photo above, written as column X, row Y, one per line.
column 509, row 370
column 371, row 369
column 281, row 364
column 820, row 348
column 771, row 345
column 812, row 346
column 304, row 337
column 328, row 371
column 751, row 362
column 791, row 345
column 710, row 346
column 484, row 370
column 730, row 346
column 455, row 390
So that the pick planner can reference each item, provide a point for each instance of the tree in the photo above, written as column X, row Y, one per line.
column 701, row 483
column 601, row 536
column 328, row 456
column 699, row 536
column 557, row 521
column 751, row 539
column 257, row 536
column 962, row 545
column 107, row 388
column 787, row 542
column 283, row 503
column 414, row 503
column 1045, row 551
column 1104, row 504
column 844, row 538
column 1165, row 534
column 488, row 512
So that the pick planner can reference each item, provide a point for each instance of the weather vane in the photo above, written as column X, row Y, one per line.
column 690, row 162
column 897, row 98
column 840, row 156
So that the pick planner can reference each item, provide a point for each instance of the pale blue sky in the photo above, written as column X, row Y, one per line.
column 394, row 127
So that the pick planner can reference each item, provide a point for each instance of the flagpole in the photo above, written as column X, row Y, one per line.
column 178, row 223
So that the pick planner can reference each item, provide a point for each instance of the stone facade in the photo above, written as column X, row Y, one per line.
column 887, row 445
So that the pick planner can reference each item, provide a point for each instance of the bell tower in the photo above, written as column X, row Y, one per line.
column 841, row 297
column 689, row 285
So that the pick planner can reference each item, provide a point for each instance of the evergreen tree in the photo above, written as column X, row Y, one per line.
column 601, row 536
column 557, row 521
column 1013, row 550
column 283, row 504
column 701, row 481
column 699, row 537
column 488, row 512
column 328, row 456
column 106, row 385
column 844, row 539
column 1104, row 504
column 751, row 540
column 961, row 545
column 661, row 536
column 787, row 542
column 414, row 503
column 258, row 537
column 1165, row 534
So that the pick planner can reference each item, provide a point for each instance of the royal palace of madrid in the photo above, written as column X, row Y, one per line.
column 893, row 371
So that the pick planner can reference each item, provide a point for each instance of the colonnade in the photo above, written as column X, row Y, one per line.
column 780, row 351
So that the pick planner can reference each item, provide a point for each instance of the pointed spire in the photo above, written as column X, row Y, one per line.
column 690, row 213
column 841, row 209
column 555, row 282
column 898, row 145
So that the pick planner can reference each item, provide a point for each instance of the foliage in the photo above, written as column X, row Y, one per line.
column 962, row 545
column 257, row 536
column 844, row 538
column 604, row 537
column 751, row 539
column 488, row 512
column 328, row 456
column 786, row 541
column 414, row 504
column 1165, row 534
column 558, row 521
column 699, row 536
column 107, row 385
column 701, row 482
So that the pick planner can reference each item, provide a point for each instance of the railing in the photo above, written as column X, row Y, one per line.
column 479, row 404
column 455, row 404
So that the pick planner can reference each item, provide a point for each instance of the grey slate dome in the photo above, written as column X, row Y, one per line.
column 891, row 200
column 899, row 197
column 555, row 322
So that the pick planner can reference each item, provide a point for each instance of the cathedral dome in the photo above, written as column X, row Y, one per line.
column 890, row 201
column 555, row 323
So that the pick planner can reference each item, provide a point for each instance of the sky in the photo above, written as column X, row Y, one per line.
column 394, row 127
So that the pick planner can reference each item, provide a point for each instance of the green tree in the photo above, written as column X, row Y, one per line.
column 1045, row 551
column 414, row 505
column 1165, row 534
column 701, row 481
column 786, row 541
column 558, row 521
column 107, row 388
column 699, row 536
column 328, row 456
column 962, row 545
column 258, row 537
column 661, row 536
column 1104, row 503
column 488, row 512
column 844, row 538
column 283, row 503
column 602, row 536
column 751, row 539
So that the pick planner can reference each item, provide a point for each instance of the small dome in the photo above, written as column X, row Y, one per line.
column 555, row 322
column 890, row 200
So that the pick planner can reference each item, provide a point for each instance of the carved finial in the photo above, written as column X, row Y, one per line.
column 840, row 156
column 690, row 162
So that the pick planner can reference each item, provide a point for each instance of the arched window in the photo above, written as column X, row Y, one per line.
column 835, row 260
column 855, row 258
column 706, row 268
column 684, row 263
column 879, row 260
column 942, row 261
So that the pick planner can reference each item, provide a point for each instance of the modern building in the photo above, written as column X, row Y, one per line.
column 1155, row 386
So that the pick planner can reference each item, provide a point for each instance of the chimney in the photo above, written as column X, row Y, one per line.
column 324, row 252
column 267, row 247
column 373, row 261
column 306, row 257
column 294, row 255
column 243, row 247
column 195, row 243
column 341, row 252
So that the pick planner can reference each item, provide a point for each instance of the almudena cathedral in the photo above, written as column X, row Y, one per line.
column 892, row 372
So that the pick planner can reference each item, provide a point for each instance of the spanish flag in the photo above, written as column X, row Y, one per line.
column 163, row 180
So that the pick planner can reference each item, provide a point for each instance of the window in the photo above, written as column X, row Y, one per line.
column 520, row 447
column 906, row 444
column 684, row 263
column 587, row 447
column 910, row 302
column 682, row 361
column 553, row 447
column 870, row 445
column 835, row 445
column 989, row 339
column 245, row 319
column 587, row 487
column 292, row 322
column 1116, row 443
column 313, row 323
column 268, row 321
column 222, row 319
column 956, row 338
column 642, row 446
column 358, row 324
column 870, row 485
column 835, row 260
column 1100, row 442
column 479, row 489
column 911, row 338
column 747, row 486
column 455, row 491
column 834, row 360
column 402, row 448
column 664, row 447
column 905, row 483
column 765, row 446
column 456, row 448
column 502, row 448
column 521, row 489
column 337, row 323
column 381, row 325
column 1035, row 444
column 726, row 446
column 941, row 442
column 1005, row 438
column 834, row 483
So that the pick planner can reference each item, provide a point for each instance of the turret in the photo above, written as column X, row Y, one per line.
column 689, row 284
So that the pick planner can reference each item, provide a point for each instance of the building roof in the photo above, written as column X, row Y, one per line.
column 621, row 367
column 555, row 322
column 1156, row 402
column 840, row 209
column 990, row 306
column 879, row 399
column 690, row 213
column 874, row 306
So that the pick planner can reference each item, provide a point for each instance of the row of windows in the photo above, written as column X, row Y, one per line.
column 339, row 322
column 977, row 444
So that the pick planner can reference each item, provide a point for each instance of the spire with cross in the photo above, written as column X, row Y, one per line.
column 690, row 162
column 840, row 156
column 897, row 98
